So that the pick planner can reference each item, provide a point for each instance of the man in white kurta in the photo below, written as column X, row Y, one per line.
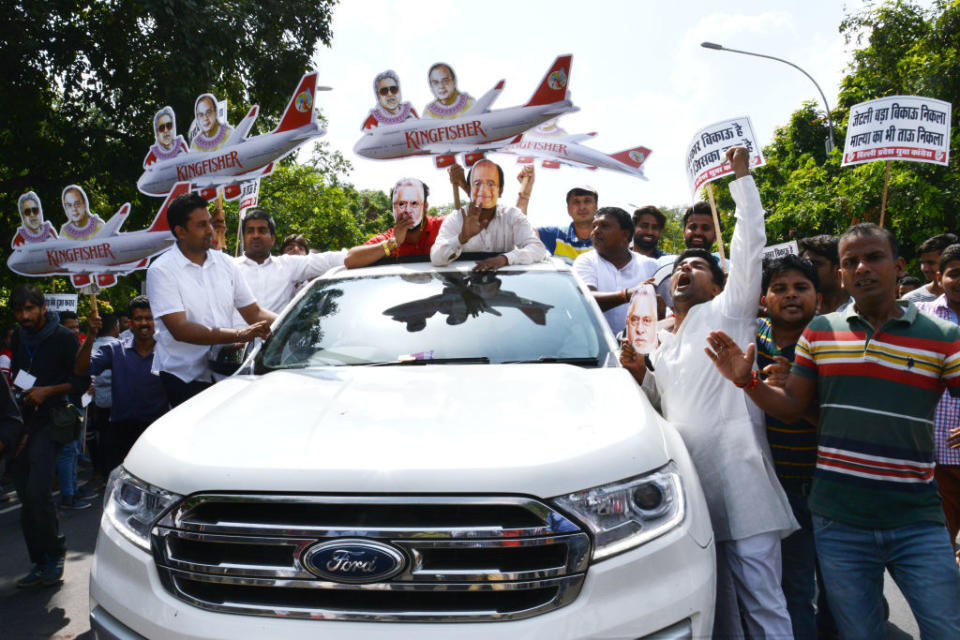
column 722, row 429
column 487, row 226
column 274, row 279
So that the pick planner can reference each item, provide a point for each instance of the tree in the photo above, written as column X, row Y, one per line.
column 903, row 49
column 83, row 80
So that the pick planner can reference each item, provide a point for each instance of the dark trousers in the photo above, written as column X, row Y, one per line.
column 116, row 440
column 32, row 472
column 179, row 391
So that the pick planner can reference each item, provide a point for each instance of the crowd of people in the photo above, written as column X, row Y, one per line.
column 815, row 392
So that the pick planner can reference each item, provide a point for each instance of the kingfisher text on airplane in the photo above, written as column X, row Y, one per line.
column 186, row 172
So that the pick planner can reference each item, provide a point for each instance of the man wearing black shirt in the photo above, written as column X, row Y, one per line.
column 42, row 373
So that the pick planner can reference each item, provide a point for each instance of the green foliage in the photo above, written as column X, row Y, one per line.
column 83, row 80
column 903, row 49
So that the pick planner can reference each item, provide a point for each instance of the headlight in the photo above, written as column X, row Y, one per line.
column 133, row 506
column 630, row 512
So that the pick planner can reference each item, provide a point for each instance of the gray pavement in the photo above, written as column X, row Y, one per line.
column 62, row 614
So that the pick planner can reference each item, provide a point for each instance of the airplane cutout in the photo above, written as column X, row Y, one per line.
column 476, row 131
column 241, row 158
column 557, row 150
column 100, row 259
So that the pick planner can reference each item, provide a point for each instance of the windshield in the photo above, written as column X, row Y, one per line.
column 438, row 317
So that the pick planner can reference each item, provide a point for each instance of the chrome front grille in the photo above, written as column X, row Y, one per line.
column 468, row 558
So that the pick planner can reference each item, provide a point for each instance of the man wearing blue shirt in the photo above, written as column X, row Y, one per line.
column 569, row 242
column 139, row 397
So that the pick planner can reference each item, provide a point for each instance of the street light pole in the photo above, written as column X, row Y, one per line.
column 720, row 47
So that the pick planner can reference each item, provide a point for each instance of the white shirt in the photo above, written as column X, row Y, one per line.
column 208, row 293
column 509, row 233
column 603, row 275
column 723, row 430
column 273, row 282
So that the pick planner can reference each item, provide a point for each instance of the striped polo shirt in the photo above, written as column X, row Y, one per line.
column 793, row 446
column 563, row 243
column 877, row 391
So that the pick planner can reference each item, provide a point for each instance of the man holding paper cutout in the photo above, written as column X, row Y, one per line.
column 414, row 231
column 722, row 430
column 611, row 270
column 487, row 226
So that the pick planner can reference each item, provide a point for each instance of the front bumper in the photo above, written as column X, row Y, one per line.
column 664, row 588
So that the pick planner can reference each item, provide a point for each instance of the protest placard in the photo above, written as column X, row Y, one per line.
column 911, row 128
column 61, row 301
column 642, row 319
column 780, row 250
column 706, row 154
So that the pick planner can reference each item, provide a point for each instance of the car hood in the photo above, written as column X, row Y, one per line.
column 538, row 429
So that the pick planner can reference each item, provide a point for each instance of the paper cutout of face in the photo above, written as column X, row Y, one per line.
column 205, row 111
column 76, row 205
column 642, row 320
column 484, row 185
column 443, row 83
column 388, row 94
column 165, row 128
column 31, row 211
column 408, row 198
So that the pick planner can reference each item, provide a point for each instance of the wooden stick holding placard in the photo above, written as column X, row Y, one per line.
column 716, row 226
column 526, row 186
column 94, row 311
column 456, row 198
column 886, row 186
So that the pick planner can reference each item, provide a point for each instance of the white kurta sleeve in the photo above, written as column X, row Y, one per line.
column 313, row 264
column 528, row 247
column 741, row 295
column 446, row 248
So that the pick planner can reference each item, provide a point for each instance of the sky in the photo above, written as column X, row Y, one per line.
column 639, row 77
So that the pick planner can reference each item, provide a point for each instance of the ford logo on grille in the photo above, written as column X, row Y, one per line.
column 353, row 561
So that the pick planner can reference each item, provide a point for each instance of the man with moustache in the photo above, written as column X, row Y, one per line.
column 138, row 396
column 449, row 102
column 168, row 144
column 193, row 292
column 648, row 223
column 390, row 107
column 611, row 270
column 876, row 373
column 413, row 234
column 487, row 226
column 273, row 279
column 34, row 227
column 721, row 429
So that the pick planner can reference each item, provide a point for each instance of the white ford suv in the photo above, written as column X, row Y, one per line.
column 414, row 453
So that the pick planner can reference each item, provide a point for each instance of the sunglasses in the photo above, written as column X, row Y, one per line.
column 385, row 90
column 31, row 211
column 164, row 127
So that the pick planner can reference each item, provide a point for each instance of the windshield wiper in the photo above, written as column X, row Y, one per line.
column 425, row 361
column 556, row 359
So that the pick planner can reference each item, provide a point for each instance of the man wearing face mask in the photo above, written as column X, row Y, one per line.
column 413, row 234
column 487, row 226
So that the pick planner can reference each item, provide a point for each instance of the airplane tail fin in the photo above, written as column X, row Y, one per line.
column 553, row 87
column 112, row 227
column 300, row 110
column 160, row 222
column 634, row 157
